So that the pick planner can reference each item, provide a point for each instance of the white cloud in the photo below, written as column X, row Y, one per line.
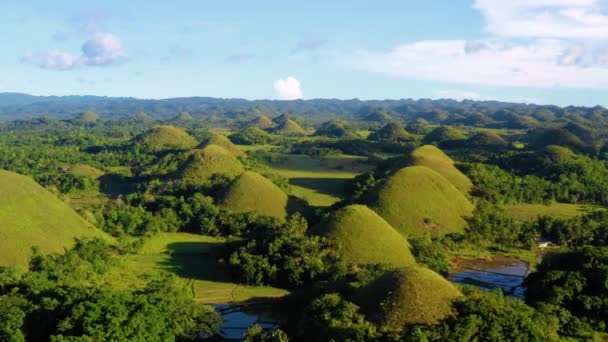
column 458, row 95
column 103, row 49
column 55, row 60
column 288, row 89
column 544, row 18
column 99, row 50
column 541, row 63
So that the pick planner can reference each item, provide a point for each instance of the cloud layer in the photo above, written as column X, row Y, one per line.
column 288, row 89
column 101, row 49
column 535, row 43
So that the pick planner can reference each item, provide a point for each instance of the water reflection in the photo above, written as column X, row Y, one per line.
column 506, row 273
column 238, row 319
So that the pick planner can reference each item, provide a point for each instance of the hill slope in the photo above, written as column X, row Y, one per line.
column 411, row 295
column 433, row 158
column 363, row 237
column 289, row 127
column 165, row 137
column 208, row 162
column 417, row 200
column 252, row 192
column 32, row 216
column 222, row 141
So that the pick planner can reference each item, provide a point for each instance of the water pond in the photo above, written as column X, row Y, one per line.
column 506, row 273
column 238, row 318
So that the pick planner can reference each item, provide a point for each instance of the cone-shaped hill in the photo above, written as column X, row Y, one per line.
column 417, row 200
column 252, row 192
column 411, row 295
column 225, row 143
column 88, row 116
column 164, row 137
column 391, row 132
column 202, row 164
column 289, row 127
column 336, row 129
column 85, row 171
column 183, row 117
column 363, row 237
column 433, row 158
column 143, row 117
column 486, row 139
column 31, row 216
column 442, row 134
column 263, row 122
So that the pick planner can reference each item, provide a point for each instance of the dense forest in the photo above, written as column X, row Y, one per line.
column 142, row 220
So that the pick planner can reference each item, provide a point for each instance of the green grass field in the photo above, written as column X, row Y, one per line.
column 528, row 212
column 320, row 181
column 193, row 258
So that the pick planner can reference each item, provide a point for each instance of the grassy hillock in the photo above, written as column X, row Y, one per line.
column 391, row 132
column 31, row 216
column 486, row 139
column 263, row 122
column 183, row 117
column 411, row 295
column 88, row 117
column 337, row 129
column 85, row 171
column 252, row 192
column 289, row 127
column 164, row 137
column 202, row 164
column 556, row 136
column 442, row 134
column 221, row 141
column 143, row 117
column 417, row 200
column 433, row 158
column 363, row 237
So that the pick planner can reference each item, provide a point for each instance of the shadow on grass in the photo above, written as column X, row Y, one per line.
column 196, row 260
column 326, row 186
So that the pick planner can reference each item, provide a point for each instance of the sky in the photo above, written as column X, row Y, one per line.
column 533, row 51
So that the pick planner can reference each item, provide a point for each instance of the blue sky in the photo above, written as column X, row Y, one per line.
column 542, row 51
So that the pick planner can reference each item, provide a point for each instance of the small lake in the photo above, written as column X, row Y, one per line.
column 506, row 273
column 237, row 319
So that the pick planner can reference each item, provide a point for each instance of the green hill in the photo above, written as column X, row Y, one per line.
column 205, row 163
column 486, row 139
column 88, row 116
column 263, row 122
column 225, row 143
column 289, row 127
column 143, row 117
column 32, row 216
column 417, row 200
column 442, row 134
column 391, row 132
column 556, row 136
column 85, row 171
column 164, row 137
column 183, row 117
column 363, row 237
column 252, row 192
column 411, row 295
column 433, row 158
column 252, row 135
column 336, row 129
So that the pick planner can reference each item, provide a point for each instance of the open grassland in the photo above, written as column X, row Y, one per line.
column 319, row 180
column 528, row 212
column 193, row 258
column 31, row 216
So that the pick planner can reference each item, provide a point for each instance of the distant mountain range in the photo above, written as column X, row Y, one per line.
column 14, row 106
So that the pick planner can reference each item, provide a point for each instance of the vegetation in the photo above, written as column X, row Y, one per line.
column 362, row 237
column 433, row 158
column 391, row 132
column 412, row 295
column 223, row 142
column 33, row 217
column 211, row 161
column 289, row 127
column 251, row 192
column 417, row 200
column 164, row 137
column 442, row 135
